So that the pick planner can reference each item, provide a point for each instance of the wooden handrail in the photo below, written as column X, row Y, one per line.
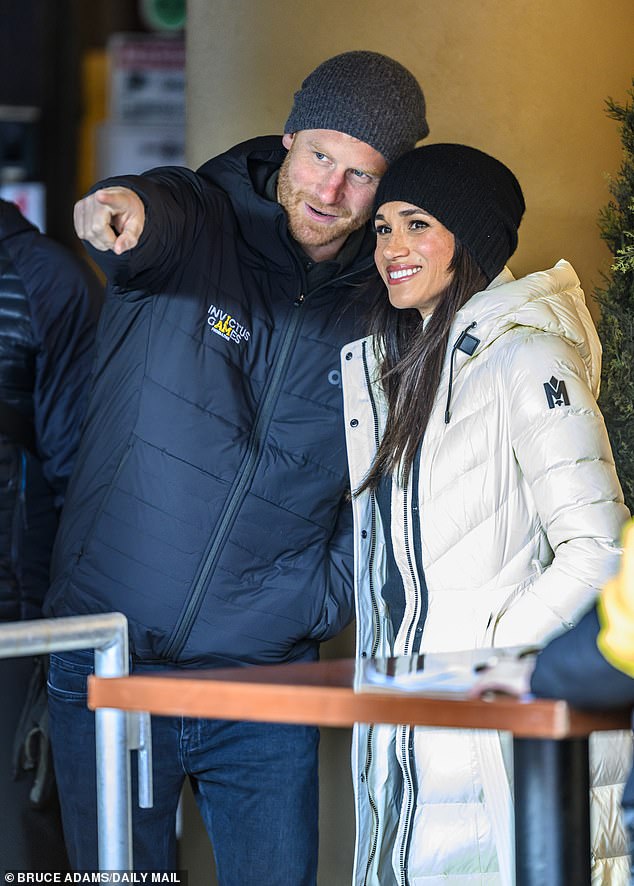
column 322, row 693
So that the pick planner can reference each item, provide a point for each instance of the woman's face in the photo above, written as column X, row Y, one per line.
column 413, row 253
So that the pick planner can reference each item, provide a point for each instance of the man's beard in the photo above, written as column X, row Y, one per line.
column 302, row 229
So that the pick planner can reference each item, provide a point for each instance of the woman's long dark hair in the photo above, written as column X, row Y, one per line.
column 412, row 357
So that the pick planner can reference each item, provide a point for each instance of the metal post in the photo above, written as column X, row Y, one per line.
column 107, row 634
column 552, row 812
column 140, row 740
column 114, row 805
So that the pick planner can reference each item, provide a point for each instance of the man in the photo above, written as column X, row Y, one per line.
column 49, row 304
column 209, row 503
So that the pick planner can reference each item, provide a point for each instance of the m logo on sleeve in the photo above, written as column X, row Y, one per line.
column 556, row 393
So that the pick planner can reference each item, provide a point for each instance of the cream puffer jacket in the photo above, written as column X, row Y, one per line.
column 520, row 512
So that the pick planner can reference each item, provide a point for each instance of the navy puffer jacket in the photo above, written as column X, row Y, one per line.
column 49, row 304
column 209, row 502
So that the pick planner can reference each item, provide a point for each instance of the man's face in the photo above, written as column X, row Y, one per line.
column 326, row 186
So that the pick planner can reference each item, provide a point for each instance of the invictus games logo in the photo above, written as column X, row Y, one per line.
column 225, row 325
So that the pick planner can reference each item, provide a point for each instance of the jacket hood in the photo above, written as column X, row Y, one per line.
column 12, row 221
column 241, row 173
column 549, row 301
column 251, row 162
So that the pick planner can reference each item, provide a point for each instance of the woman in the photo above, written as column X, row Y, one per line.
column 487, row 507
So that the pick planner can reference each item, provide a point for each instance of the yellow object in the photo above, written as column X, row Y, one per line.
column 616, row 611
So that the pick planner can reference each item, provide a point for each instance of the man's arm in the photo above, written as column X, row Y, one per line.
column 340, row 573
column 141, row 229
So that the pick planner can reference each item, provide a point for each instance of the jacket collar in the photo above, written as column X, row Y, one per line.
column 550, row 301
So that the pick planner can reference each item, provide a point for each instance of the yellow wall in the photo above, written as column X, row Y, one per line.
column 525, row 80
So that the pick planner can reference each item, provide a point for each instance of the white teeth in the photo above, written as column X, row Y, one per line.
column 404, row 272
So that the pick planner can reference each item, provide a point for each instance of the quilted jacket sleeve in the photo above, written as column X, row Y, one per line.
column 562, row 448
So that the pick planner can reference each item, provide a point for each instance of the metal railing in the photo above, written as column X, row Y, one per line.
column 117, row 732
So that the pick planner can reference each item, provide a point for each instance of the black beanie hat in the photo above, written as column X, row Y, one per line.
column 473, row 195
column 366, row 95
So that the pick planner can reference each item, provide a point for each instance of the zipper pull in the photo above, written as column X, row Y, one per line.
column 468, row 344
column 299, row 301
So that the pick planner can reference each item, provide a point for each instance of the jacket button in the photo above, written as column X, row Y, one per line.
column 354, row 422
column 364, row 533
column 349, row 355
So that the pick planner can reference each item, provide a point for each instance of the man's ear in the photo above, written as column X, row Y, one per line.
column 287, row 140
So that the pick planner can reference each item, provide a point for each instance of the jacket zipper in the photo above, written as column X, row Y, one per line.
column 459, row 345
column 407, row 756
column 373, row 807
column 412, row 573
column 376, row 629
column 245, row 473
column 376, row 623
column 407, row 738
column 243, row 479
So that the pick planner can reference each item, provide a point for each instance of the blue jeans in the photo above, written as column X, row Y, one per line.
column 256, row 785
column 628, row 821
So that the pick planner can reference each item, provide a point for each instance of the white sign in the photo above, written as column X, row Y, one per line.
column 124, row 149
column 147, row 79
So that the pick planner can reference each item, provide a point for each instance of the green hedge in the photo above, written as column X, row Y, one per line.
column 616, row 298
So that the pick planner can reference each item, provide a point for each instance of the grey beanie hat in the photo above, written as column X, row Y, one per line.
column 472, row 194
column 366, row 95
